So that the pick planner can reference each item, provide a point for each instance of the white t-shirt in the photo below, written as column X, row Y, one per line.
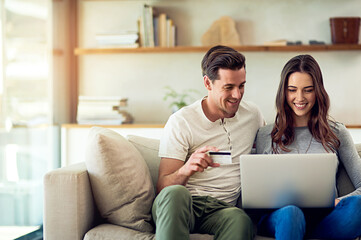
column 189, row 129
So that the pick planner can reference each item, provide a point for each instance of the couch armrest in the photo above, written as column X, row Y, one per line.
column 69, row 209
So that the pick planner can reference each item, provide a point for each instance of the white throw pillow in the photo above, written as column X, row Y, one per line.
column 120, row 180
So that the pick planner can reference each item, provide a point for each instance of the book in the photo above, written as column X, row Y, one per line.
column 162, row 26
column 170, row 33
column 122, row 39
column 146, row 26
column 101, row 121
column 102, row 110
column 156, row 31
column 141, row 32
column 101, row 98
column 133, row 45
column 149, row 25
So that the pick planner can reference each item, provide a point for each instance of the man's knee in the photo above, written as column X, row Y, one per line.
column 174, row 194
column 172, row 213
column 234, row 224
column 236, row 218
column 171, row 201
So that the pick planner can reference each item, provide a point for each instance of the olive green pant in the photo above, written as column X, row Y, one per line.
column 176, row 214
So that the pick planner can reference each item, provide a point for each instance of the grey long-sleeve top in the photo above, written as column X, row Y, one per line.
column 305, row 143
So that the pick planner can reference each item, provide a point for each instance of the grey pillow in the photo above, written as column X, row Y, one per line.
column 358, row 148
column 344, row 184
column 120, row 180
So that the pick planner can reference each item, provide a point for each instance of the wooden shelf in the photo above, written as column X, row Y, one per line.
column 145, row 125
column 353, row 126
column 184, row 49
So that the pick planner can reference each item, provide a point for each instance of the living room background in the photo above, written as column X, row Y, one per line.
column 141, row 77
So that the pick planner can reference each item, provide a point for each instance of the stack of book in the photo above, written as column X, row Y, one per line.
column 125, row 39
column 102, row 111
column 156, row 29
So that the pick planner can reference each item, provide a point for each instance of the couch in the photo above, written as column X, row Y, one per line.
column 78, row 203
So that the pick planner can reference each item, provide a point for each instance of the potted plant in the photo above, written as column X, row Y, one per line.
column 179, row 99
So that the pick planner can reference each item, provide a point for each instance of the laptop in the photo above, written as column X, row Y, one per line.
column 276, row 180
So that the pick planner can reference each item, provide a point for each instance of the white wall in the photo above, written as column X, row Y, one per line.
column 142, row 77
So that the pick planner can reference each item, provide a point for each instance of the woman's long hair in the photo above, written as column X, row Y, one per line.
column 319, row 122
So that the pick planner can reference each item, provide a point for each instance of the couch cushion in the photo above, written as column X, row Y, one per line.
column 112, row 232
column 344, row 184
column 148, row 147
column 120, row 180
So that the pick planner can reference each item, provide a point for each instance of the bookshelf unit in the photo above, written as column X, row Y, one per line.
column 140, row 74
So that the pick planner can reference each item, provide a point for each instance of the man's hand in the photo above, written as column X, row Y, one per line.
column 198, row 161
column 337, row 201
column 174, row 171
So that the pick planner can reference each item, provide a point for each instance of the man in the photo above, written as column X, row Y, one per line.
column 197, row 195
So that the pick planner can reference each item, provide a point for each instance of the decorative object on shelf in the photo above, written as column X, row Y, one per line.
column 315, row 42
column 181, row 99
column 345, row 30
column 222, row 31
column 104, row 110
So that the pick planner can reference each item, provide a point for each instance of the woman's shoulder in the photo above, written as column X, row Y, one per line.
column 338, row 128
column 265, row 130
column 263, row 140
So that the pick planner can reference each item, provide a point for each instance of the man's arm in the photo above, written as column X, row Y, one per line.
column 176, row 172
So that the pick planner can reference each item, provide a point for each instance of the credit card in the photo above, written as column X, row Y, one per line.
column 221, row 157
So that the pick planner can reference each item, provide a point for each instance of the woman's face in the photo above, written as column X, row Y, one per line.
column 301, row 97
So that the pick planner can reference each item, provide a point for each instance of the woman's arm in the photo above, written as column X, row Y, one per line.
column 349, row 157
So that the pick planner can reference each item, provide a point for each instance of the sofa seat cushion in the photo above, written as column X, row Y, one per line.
column 113, row 232
column 120, row 180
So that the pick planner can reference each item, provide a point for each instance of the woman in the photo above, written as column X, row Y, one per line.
column 302, row 125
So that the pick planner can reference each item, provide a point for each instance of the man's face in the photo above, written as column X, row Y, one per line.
column 225, row 93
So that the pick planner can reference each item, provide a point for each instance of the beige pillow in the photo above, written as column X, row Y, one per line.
column 149, row 149
column 120, row 180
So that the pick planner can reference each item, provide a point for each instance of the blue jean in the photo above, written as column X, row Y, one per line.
column 342, row 222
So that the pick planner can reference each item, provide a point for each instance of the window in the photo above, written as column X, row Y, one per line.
column 28, row 137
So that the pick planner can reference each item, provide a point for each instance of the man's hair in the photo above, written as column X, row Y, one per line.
column 221, row 57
